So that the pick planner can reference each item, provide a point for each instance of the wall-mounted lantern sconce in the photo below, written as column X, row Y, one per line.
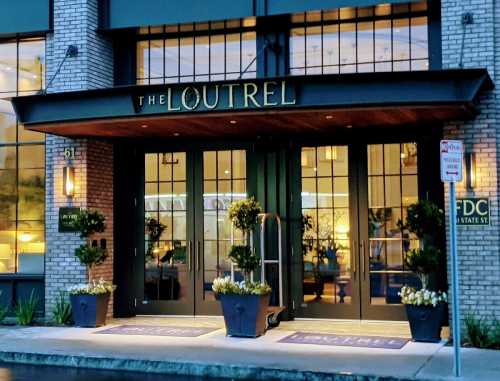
column 69, row 181
column 470, row 170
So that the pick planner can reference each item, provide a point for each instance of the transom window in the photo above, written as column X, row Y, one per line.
column 197, row 52
column 353, row 40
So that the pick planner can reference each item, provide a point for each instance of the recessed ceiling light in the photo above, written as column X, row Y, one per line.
column 176, row 134
column 144, row 126
column 233, row 122
column 329, row 117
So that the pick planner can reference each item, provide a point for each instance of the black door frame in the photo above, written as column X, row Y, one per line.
column 429, row 187
column 194, row 304
column 129, row 191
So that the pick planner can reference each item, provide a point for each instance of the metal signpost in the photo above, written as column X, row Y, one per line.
column 451, row 172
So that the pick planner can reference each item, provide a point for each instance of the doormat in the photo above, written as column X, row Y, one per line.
column 155, row 330
column 345, row 340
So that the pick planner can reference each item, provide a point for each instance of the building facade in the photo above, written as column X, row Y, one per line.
column 329, row 113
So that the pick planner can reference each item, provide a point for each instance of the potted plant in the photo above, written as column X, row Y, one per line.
column 244, row 304
column 89, row 302
column 424, row 307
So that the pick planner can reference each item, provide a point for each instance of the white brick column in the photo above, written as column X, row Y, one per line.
column 75, row 23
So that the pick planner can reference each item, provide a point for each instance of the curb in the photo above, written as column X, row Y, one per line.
column 236, row 372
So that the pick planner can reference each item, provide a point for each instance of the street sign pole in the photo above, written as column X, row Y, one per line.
column 457, row 366
column 451, row 172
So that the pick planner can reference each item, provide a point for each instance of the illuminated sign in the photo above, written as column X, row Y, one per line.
column 216, row 97
column 473, row 211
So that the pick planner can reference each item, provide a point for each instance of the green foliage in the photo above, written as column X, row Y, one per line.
column 62, row 310
column 3, row 311
column 495, row 333
column 25, row 309
column 225, row 286
column 477, row 331
column 154, row 230
column 244, row 258
column 243, row 213
column 91, row 255
column 426, row 220
column 423, row 262
column 90, row 222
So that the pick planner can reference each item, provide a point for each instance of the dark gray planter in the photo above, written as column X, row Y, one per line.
column 89, row 310
column 245, row 315
column 425, row 322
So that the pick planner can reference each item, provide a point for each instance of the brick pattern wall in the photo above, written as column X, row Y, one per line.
column 478, row 247
column 75, row 23
column 100, row 197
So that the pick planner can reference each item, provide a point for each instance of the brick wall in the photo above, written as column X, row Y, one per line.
column 478, row 247
column 75, row 23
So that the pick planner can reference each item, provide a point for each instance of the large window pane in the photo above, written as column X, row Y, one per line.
column 390, row 192
column 401, row 39
column 7, row 122
column 171, row 58
column 419, row 38
column 8, row 67
column 143, row 60
column 186, row 58
column 202, row 55
column 233, row 53
column 22, row 167
column 31, row 183
column 325, row 227
column 248, row 52
column 352, row 41
column 31, row 65
column 198, row 57
column 156, row 61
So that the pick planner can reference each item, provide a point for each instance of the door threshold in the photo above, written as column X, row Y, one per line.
column 354, row 321
column 181, row 316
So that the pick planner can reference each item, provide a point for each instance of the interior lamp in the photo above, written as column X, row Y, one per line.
column 69, row 181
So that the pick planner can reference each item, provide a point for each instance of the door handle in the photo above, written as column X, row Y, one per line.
column 198, row 256
column 363, row 259
column 189, row 254
column 354, row 252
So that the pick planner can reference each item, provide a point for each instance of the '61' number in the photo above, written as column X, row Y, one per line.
column 69, row 152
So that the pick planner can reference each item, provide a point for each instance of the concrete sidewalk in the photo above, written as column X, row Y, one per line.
column 216, row 355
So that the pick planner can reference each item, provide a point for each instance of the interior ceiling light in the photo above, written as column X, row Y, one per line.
column 233, row 122
column 348, row 126
column 144, row 126
column 176, row 134
column 329, row 117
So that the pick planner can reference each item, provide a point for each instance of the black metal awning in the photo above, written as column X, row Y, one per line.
column 367, row 99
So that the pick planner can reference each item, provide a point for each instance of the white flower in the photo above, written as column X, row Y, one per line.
column 421, row 297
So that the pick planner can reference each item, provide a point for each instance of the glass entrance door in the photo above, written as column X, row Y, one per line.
column 330, row 287
column 187, row 230
column 352, row 198
column 389, row 184
column 168, row 220
column 221, row 178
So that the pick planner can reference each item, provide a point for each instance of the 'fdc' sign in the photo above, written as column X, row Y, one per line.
column 473, row 211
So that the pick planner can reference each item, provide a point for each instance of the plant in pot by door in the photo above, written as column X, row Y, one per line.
column 89, row 302
column 244, row 304
column 424, row 307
